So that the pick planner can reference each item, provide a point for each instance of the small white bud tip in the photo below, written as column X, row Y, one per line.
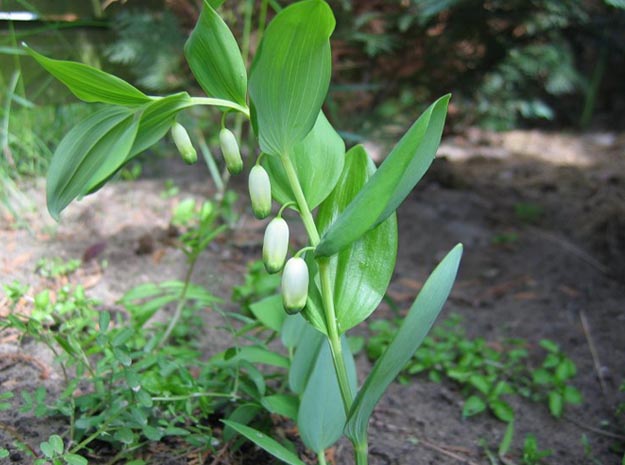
column 260, row 192
column 275, row 245
column 230, row 151
column 295, row 285
column 183, row 143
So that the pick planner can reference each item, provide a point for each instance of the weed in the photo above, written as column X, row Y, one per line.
column 487, row 373
column 56, row 267
column 257, row 285
column 170, row 189
column 532, row 455
column 528, row 212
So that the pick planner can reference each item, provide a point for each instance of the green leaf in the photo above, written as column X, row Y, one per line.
column 156, row 120
column 502, row 410
column 124, row 435
column 57, row 444
column 47, row 449
column 89, row 83
column 389, row 186
column 361, row 272
column 215, row 59
column 281, row 404
column 243, row 414
column 292, row 329
column 304, row 360
column 408, row 338
column 556, row 404
column 318, row 162
column 321, row 416
column 506, row 442
column 74, row 459
column 89, row 153
column 472, row 406
column 265, row 442
column 270, row 312
column 104, row 320
column 313, row 312
column 291, row 74
column 572, row 395
column 258, row 354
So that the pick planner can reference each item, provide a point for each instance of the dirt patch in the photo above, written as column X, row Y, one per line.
column 561, row 199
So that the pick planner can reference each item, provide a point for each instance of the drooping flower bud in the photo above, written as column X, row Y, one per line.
column 230, row 151
column 183, row 143
column 260, row 192
column 275, row 245
column 295, row 285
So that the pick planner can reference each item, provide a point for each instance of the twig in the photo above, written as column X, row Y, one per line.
column 593, row 351
column 17, row 436
column 592, row 429
column 572, row 248
column 44, row 371
column 220, row 454
column 443, row 450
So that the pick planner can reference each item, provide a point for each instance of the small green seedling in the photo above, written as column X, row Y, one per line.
column 56, row 267
column 487, row 373
column 532, row 455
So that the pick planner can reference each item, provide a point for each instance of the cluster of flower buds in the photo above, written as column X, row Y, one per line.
column 276, row 240
column 295, row 274
column 230, row 151
column 183, row 143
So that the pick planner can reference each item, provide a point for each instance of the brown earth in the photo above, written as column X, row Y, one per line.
column 567, row 262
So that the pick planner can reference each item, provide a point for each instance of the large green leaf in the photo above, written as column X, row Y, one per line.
column 291, row 74
column 89, row 83
column 215, row 59
column 304, row 360
column 270, row 312
column 318, row 162
column 313, row 312
column 292, row 329
column 361, row 271
column 89, row 153
column 157, row 119
column 389, row 186
column 321, row 416
column 265, row 442
column 409, row 337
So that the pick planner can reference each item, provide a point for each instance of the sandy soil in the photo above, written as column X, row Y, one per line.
column 567, row 262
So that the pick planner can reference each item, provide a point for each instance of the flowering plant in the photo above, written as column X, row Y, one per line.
column 346, row 205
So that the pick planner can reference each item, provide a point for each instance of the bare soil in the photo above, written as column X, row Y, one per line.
column 567, row 262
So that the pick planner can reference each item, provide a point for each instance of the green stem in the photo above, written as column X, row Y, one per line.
column 333, row 334
column 362, row 452
column 326, row 285
column 307, row 219
column 181, row 301
column 217, row 102
column 321, row 458
column 195, row 395
column 327, row 293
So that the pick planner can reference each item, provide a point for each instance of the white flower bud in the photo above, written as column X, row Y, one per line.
column 230, row 151
column 260, row 192
column 275, row 245
column 295, row 285
column 183, row 143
